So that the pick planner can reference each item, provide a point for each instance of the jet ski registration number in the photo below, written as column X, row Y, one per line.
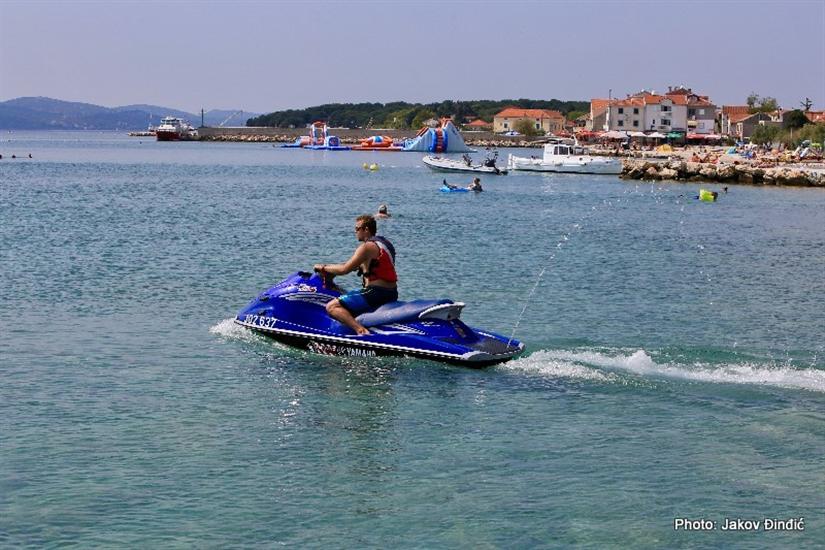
column 260, row 320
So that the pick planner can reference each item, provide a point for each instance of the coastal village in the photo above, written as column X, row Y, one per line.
column 678, row 134
column 678, row 114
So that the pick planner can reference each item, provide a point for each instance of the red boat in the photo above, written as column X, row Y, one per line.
column 175, row 129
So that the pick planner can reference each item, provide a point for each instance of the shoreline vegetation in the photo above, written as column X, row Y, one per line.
column 401, row 115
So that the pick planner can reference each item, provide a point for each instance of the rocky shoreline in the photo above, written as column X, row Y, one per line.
column 744, row 173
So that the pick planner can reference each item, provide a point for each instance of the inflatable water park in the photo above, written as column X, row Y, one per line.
column 377, row 143
column 318, row 138
column 445, row 138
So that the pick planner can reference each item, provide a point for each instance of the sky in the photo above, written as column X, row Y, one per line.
column 264, row 56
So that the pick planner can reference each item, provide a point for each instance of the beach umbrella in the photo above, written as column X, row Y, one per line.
column 615, row 134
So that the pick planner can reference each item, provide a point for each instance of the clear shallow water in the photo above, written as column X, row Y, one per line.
column 674, row 368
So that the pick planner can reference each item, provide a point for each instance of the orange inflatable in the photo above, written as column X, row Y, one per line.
column 377, row 141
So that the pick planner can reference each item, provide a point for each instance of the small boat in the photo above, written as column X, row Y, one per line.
column 175, row 129
column 293, row 312
column 565, row 156
column 465, row 165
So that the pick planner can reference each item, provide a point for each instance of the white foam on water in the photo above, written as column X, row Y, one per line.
column 230, row 330
column 544, row 363
column 590, row 365
column 640, row 363
column 233, row 331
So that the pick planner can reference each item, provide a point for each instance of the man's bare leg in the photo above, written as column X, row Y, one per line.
column 341, row 314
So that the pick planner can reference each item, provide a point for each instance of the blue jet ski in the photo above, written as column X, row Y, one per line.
column 293, row 313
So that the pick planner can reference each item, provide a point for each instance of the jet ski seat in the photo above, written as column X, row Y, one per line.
column 404, row 312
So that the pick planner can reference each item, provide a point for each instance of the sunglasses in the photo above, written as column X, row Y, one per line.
column 360, row 227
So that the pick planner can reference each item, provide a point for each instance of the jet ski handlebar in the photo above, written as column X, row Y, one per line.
column 326, row 277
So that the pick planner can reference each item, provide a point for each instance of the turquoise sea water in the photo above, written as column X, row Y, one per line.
column 675, row 363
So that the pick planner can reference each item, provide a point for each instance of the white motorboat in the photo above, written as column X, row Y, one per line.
column 566, row 156
column 175, row 129
column 466, row 164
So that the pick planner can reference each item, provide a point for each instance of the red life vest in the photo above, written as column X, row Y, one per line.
column 383, row 267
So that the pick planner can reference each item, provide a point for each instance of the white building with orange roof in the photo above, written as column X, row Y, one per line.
column 701, row 112
column 679, row 110
column 543, row 120
column 647, row 111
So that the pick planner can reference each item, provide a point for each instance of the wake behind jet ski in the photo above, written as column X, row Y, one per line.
column 293, row 312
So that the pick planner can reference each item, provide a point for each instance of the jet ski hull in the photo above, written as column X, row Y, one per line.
column 351, row 347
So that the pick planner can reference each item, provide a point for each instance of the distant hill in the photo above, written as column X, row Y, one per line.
column 44, row 113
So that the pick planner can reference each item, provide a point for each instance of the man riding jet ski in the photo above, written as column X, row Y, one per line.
column 307, row 310
column 375, row 261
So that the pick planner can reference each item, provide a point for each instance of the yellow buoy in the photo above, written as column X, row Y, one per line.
column 365, row 166
column 373, row 166
column 707, row 196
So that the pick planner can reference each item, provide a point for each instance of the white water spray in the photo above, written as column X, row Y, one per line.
column 575, row 228
column 659, row 194
column 607, row 366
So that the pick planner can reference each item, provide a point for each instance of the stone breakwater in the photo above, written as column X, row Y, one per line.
column 283, row 138
column 679, row 170
column 353, row 136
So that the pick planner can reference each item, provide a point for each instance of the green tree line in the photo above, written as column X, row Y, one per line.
column 404, row 116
